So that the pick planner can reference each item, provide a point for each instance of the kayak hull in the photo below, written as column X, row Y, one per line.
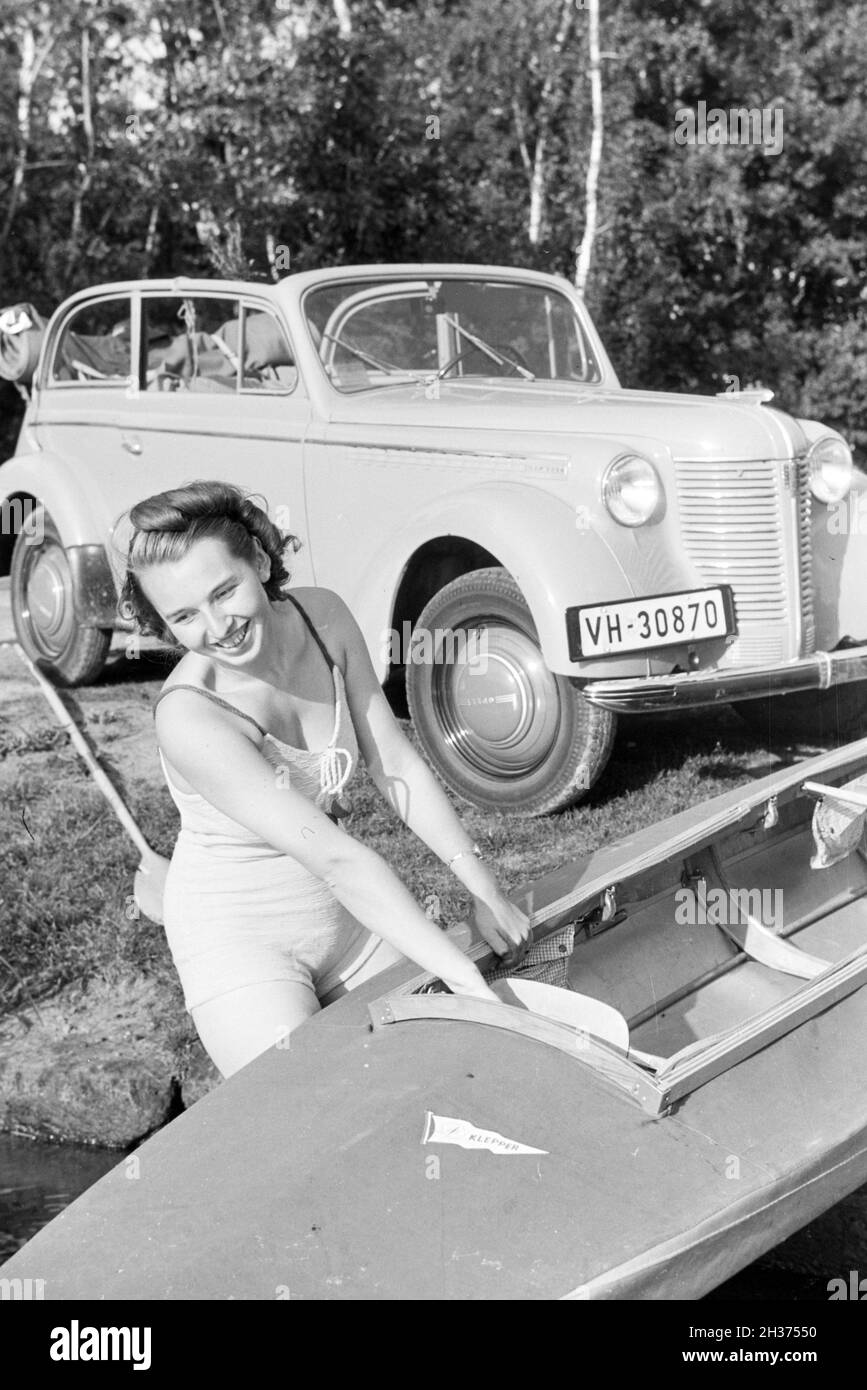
column 444, row 1159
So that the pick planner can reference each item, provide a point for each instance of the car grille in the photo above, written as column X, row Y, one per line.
column 805, row 556
column 733, row 518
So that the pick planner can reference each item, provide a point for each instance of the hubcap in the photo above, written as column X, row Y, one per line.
column 48, row 588
column 500, row 707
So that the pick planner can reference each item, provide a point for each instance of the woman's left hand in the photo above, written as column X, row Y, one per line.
column 504, row 926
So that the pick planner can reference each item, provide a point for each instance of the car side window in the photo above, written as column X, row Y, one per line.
column 219, row 344
column 95, row 345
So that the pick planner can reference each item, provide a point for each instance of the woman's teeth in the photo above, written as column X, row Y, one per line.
column 236, row 639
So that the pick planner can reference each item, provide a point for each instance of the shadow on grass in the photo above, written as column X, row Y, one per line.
column 715, row 746
column 150, row 665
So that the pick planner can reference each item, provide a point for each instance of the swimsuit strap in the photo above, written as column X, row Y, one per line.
column 209, row 695
column 319, row 641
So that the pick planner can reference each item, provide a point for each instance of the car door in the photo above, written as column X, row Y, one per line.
column 218, row 397
column 83, row 400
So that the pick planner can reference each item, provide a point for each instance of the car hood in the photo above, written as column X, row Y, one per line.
column 691, row 427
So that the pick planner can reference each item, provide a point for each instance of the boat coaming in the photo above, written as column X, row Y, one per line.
column 306, row 1175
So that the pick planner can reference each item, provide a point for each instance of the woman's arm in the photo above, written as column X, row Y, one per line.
column 410, row 786
column 225, row 767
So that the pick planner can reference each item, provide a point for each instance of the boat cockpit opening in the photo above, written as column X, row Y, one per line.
column 735, row 931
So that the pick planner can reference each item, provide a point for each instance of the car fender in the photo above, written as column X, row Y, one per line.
column 533, row 535
column 94, row 569
column 75, row 508
column 839, row 537
column 840, row 567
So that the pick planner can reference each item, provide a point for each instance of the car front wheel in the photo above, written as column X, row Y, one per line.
column 43, row 609
column 500, row 728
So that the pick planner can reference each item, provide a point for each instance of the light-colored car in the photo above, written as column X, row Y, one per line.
column 537, row 547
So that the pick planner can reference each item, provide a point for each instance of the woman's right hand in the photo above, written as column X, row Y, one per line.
column 475, row 989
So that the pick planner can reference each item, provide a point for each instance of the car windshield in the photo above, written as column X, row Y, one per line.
column 374, row 333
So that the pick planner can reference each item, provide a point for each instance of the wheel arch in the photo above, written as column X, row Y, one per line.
column 435, row 563
column 16, row 507
column 531, row 534
column 80, row 517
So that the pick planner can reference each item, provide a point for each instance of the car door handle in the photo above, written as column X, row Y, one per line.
column 131, row 443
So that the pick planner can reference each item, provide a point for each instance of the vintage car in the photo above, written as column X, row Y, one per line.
column 537, row 547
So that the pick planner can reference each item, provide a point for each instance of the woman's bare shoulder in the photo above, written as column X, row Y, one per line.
column 315, row 598
column 330, row 616
column 190, row 670
column 183, row 714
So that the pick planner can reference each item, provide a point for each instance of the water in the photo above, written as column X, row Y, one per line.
column 38, row 1180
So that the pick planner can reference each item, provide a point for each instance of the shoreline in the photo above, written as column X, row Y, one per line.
column 101, row 1064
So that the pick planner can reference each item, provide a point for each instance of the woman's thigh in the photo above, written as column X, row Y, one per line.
column 238, row 1026
column 380, row 958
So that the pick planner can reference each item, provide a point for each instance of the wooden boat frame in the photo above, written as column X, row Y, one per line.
column 658, row 1084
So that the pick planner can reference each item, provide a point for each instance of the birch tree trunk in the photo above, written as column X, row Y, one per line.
column 150, row 245
column 536, row 168
column 85, row 168
column 343, row 17
column 585, row 252
column 30, row 62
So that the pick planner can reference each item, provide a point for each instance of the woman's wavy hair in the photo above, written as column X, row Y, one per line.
column 168, row 524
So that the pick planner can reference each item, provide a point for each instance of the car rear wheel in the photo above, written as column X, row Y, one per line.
column 501, row 729
column 43, row 609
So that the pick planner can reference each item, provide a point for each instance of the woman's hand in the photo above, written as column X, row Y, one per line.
column 503, row 925
column 477, row 990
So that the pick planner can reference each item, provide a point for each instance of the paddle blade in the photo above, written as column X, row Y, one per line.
column 579, row 1011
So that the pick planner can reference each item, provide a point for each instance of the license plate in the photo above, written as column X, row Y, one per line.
column 665, row 620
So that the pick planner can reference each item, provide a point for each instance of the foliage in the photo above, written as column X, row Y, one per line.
column 240, row 137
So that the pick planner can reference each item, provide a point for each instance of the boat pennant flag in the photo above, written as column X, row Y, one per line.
column 445, row 1129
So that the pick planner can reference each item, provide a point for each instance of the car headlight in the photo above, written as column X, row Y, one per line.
column 631, row 490
column 829, row 462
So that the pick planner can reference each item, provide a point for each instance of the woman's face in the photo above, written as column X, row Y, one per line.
column 212, row 601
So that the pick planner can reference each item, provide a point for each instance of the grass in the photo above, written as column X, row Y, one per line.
column 66, row 867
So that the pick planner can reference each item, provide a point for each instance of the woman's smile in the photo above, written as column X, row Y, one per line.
column 236, row 640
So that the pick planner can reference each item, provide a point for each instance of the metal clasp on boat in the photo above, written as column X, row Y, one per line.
column 606, row 914
column 695, row 880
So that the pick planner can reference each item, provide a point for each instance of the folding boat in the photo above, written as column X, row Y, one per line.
column 412, row 1144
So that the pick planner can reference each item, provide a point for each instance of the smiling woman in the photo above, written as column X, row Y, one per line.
column 271, row 908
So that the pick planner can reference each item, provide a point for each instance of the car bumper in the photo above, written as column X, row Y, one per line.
column 692, row 689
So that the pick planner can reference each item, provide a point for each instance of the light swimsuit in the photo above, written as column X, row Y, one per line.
column 240, row 912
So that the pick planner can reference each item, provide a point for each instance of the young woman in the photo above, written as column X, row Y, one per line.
column 271, row 908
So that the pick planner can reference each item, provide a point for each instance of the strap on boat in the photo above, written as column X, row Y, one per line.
column 753, row 938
